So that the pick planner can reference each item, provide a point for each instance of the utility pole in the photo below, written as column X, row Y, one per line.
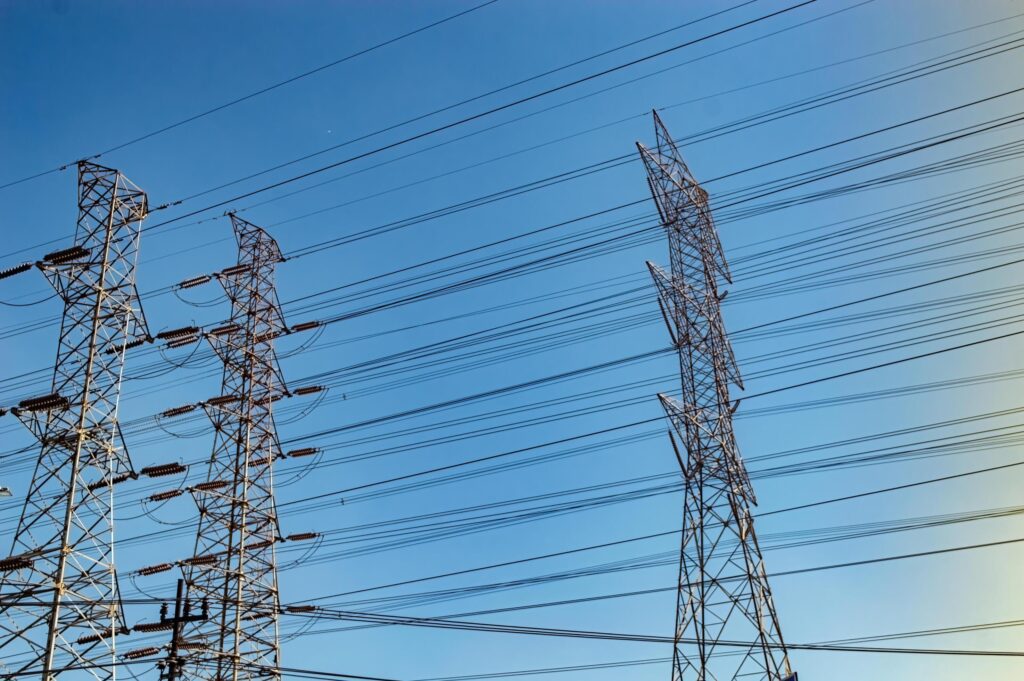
column 170, row 668
column 723, row 592
column 59, row 585
column 234, row 565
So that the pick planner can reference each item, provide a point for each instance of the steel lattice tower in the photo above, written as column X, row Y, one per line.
column 59, row 585
column 723, row 594
column 233, row 566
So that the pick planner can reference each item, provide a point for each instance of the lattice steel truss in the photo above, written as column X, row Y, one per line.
column 723, row 593
column 61, row 605
column 233, row 566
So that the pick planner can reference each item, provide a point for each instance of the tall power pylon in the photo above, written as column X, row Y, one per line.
column 233, row 567
column 61, row 604
column 723, row 594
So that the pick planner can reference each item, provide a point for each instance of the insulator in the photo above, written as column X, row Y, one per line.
column 154, row 569
column 3, row 412
column 107, row 482
column 195, row 281
column 235, row 269
column 66, row 255
column 302, row 536
column 17, row 269
column 258, row 545
column 193, row 645
column 301, row 608
column 222, row 399
column 207, row 559
column 14, row 563
column 269, row 399
column 309, row 390
column 305, row 326
column 224, row 330
column 261, row 461
column 163, row 469
column 210, row 485
column 140, row 652
column 257, row 616
column 127, row 346
column 44, row 403
column 178, row 333
column 304, row 451
column 99, row 636
column 264, row 337
column 182, row 342
column 178, row 411
column 147, row 627
column 164, row 496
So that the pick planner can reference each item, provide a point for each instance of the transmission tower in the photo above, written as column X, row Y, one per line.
column 61, row 605
column 723, row 593
column 233, row 566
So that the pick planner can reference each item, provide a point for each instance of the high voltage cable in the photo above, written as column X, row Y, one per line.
column 927, row 522
column 927, row 143
column 926, row 355
column 479, row 115
column 659, row 419
column 835, row 646
column 599, row 635
column 474, row 98
column 291, row 194
column 815, row 448
column 527, row 80
column 251, row 95
column 492, row 127
column 624, row 426
column 783, row 573
column 695, row 138
column 833, row 144
column 817, row 568
column 797, row 571
column 655, row 535
column 843, row 61
column 936, row 446
column 940, row 280
column 514, row 120
column 804, row 468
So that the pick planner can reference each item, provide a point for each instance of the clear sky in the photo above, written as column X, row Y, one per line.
column 80, row 78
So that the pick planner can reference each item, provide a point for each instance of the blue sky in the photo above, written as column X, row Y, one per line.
column 78, row 79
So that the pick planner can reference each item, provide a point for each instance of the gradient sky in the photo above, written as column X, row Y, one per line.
column 78, row 78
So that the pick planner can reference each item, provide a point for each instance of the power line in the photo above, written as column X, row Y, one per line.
column 251, row 95
column 477, row 116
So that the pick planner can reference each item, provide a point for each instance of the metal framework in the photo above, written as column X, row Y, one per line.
column 61, row 605
column 233, row 566
column 723, row 593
